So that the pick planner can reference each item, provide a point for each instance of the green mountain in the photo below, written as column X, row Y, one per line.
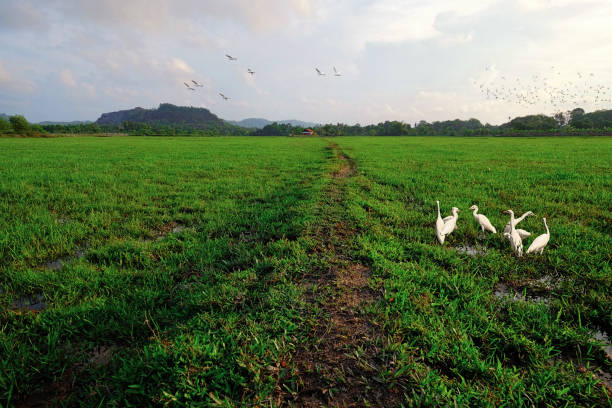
column 165, row 114
column 259, row 123
column 74, row 122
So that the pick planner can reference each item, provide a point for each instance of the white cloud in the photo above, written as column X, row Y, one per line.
column 179, row 67
column 5, row 77
column 67, row 78
column 13, row 83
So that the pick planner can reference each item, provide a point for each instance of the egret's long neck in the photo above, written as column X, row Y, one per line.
column 546, row 225
column 512, row 222
column 521, row 218
column 475, row 212
column 438, row 203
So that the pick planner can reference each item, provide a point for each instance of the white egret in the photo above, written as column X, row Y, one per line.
column 451, row 224
column 522, row 233
column 484, row 222
column 513, row 236
column 538, row 244
column 439, row 226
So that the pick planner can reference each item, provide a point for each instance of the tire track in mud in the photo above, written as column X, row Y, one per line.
column 339, row 366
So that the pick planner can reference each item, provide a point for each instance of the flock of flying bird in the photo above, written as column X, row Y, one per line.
column 544, row 89
column 540, row 89
column 446, row 225
column 194, row 84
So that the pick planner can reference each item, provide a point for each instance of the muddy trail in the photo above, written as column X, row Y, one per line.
column 339, row 366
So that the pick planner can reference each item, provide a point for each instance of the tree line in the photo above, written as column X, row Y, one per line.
column 575, row 122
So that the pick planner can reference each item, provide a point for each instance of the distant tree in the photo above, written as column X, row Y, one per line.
column 600, row 119
column 533, row 122
column 5, row 126
column 37, row 128
column 20, row 124
column 576, row 114
column 562, row 118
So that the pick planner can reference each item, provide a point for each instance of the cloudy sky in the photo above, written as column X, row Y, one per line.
column 406, row 60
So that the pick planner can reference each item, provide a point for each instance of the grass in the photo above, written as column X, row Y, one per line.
column 167, row 271
column 453, row 339
column 148, row 314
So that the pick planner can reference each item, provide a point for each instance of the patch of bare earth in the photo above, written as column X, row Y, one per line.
column 340, row 364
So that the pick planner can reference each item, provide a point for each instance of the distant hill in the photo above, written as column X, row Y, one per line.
column 259, row 123
column 74, row 122
column 165, row 114
column 4, row 116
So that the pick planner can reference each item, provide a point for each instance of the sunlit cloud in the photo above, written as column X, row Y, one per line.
column 67, row 78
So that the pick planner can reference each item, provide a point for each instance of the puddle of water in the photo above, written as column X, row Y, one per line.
column 78, row 253
column 604, row 377
column 471, row 250
column 185, row 285
column 503, row 291
column 547, row 282
column 55, row 265
column 603, row 338
column 34, row 303
column 248, row 236
column 164, row 231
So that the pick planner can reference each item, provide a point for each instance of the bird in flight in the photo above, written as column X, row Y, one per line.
column 250, row 71
column 223, row 96
column 319, row 72
column 229, row 57
column 196, row 84
column 336, row 73
column 188, row 87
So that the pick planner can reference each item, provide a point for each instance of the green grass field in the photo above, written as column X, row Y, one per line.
column 196, row 272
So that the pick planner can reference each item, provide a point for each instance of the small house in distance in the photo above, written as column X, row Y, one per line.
column 307, row 132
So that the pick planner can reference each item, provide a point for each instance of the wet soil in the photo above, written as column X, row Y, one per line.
column 340, row 364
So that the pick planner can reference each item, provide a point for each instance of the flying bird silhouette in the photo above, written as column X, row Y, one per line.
column 229, row 57
column 250, row 71
column 319, row 71
column 223, row 96
column 196, row 84
column 188, row 87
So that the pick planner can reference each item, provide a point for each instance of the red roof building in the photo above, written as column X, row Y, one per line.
column 308, row 132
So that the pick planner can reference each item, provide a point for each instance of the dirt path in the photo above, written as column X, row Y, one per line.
column 340, row 365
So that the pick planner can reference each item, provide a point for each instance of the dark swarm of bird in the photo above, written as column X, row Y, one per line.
column 556, row 89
